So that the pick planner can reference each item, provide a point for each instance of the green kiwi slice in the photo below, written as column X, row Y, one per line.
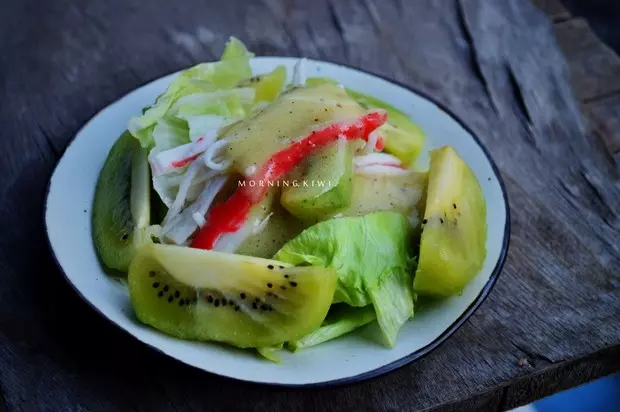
column 453, row 241
column 240, row 300
column 121, row 208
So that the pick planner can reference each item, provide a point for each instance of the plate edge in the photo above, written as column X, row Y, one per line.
column 393, row 366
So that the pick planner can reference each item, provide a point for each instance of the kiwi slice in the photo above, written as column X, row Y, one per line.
column 452, row 245
column 267, row 86
column 322, row 184
column 122, row 203
column 399, row 193
column 212, row 296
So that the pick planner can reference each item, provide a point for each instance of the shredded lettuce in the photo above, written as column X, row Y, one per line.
column 233, row 67
column 271, row 352
column 199, row 102
column 370, row 254
column 340, row 321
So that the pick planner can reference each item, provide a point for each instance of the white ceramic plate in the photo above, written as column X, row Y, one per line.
column 350, row 358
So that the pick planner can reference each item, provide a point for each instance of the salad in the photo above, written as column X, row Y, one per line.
column 263, row 214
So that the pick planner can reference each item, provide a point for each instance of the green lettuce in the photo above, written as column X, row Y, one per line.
column 202, row 79
column 370, row 254
column 341, row 320
column 271, row 352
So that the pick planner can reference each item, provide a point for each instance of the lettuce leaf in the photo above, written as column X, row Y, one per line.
column 271, row 352
column 233, row 68
column 340, row 321
column 370, row 254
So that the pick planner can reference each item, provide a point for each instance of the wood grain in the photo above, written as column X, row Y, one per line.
column 554, row 315
column 554, row 9
column 605, row 122
column 595, row 68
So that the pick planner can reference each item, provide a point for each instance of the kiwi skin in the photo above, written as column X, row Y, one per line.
column 121, row 207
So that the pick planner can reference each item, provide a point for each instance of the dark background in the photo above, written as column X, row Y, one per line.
column 603, row 15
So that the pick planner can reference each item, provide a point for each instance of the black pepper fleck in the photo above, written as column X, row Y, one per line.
column 269, row 285
column 425, row 221
column 441, row 220
column 454, row 205
column 285, row 276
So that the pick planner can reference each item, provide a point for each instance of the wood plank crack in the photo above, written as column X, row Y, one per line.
column 537, row 358
column 339, row 26
column 474, row 57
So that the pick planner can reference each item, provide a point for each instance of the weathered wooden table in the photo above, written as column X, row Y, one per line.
column 552, row 321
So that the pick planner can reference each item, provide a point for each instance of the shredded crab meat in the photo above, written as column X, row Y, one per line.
column 379, row 164
column 214, row 156
column 199, row 219
column 181, row 197
column 299, row 72
column 230, row 242
column 384, row 170
column 261, row 224
column 180, row 156
column 179, row 229
column 377, row 159
column 371, row 144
